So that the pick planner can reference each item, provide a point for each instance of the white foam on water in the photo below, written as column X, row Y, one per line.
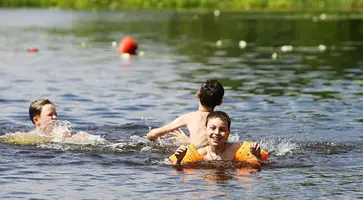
column 146, row 149
column 279, row 146
column 82, row 138
column 61, row 133
column 233, row 138
column 54, row 132
column 137, row 140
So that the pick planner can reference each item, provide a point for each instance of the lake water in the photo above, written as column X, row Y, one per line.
column 296, row 87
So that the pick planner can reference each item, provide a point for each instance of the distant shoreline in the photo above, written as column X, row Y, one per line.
column 194, row 5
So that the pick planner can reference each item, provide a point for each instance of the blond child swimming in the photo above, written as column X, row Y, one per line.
column 210, row 95
column 43, row 114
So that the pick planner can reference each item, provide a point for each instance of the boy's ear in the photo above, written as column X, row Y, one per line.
column 220, row 102
column 197, row 95
column 36, row 120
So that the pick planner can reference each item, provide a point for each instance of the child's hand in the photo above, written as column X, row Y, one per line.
column 180, row 153
column 151, row 136
column 255, row 149
column 180, row 136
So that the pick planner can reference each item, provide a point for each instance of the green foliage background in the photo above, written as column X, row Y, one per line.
column 188, row 4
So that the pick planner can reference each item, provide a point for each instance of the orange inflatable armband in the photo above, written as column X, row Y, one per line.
column 243, row 154
column 191, row 156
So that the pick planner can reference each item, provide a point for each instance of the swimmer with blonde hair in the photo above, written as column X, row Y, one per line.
column 42, row 112
column 44, row 116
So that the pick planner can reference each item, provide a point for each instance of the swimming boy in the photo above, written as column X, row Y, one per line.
column 217, row 130
column 42, row 112
column 210, row 95
column 44, row 116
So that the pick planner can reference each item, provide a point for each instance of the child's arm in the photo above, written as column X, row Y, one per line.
column 158, row 132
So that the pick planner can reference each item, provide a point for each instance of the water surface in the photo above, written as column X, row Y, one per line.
column 304, row 105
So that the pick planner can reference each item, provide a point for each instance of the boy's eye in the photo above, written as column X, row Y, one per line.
column 51, row 114
column 224, row 130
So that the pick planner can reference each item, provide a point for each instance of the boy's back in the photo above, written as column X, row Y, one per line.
column 210, row 95
column 196, row 126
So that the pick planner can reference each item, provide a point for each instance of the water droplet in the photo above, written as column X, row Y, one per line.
column 114, row 44
column 242, row 44
column 274, row 56
column 216, row 13
column 286, row 48
column 141, row 53
column 219, row 43
column 195, row 17
column 315, row 19
column 322, row 47
column 323, row 16
column 83, row 45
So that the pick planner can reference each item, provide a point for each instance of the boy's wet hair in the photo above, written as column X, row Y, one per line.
column 211, row 93
column 221, row 115
column 36, row 106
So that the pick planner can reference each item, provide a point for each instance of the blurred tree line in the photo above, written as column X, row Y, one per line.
column 187, row 4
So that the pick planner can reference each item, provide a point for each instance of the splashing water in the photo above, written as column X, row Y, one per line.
column 54, row 132
column 278, row 147
column 233, row 138
column 134, row 143
column 57, row 135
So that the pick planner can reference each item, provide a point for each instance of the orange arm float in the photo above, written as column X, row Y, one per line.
column 243, row 154
column 191, row 156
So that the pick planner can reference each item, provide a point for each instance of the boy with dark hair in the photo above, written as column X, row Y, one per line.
column 210, row 95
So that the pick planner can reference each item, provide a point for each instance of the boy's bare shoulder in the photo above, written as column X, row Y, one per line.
column 233, row 146
column 203, row 151
column 191, row 116
column 192, row 113
column 198, row 115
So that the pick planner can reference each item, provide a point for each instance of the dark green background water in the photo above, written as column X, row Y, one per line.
column 304, row 106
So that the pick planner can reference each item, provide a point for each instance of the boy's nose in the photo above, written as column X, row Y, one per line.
column 54, row 117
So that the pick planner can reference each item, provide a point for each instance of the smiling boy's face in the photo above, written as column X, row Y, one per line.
column 217, row 131
column 48, row 114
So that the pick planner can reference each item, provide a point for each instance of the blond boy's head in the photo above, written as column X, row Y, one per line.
column 42, row 111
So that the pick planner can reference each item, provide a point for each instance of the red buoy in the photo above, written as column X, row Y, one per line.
column 32, row 50
column 128, row 45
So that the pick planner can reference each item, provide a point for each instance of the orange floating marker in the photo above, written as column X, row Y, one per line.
column 32, row 50
column 128, row 45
